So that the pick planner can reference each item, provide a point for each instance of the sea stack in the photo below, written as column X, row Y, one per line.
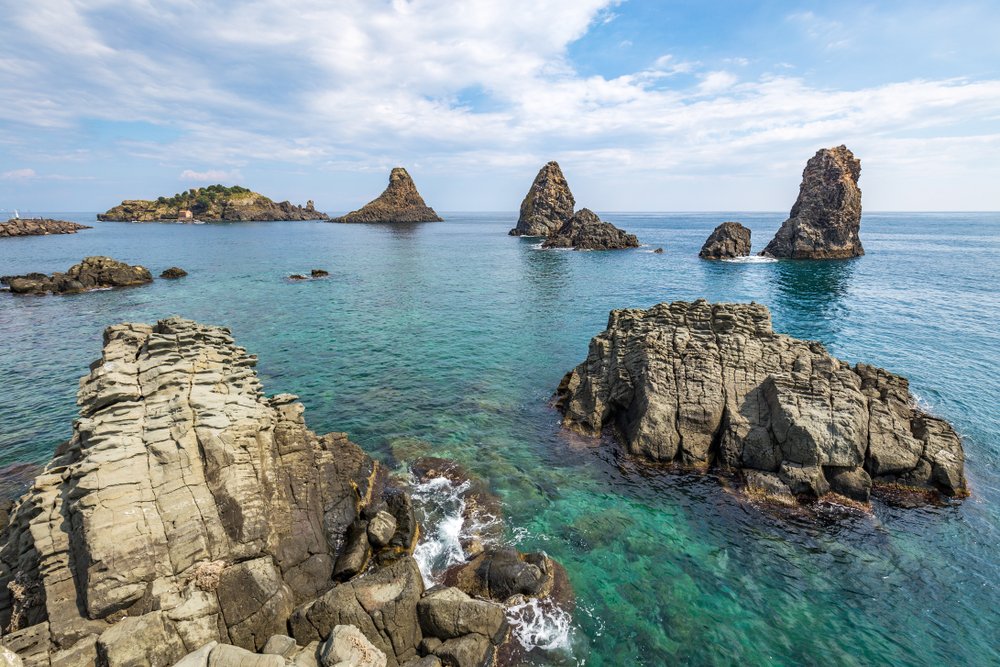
column 547, row 206
column 400, row 202
column 728, row 240
column 825, row 219
column 38, row 227
column 705, row 384
column 586, row 231
column 90, row 274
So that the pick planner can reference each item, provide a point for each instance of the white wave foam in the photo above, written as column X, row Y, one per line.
column 540, row 624
column 443, row 516
column 751, row 259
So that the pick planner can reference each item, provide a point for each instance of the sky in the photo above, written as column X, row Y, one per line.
column 670, row 105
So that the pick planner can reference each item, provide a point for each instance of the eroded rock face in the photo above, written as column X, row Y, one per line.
column 548, row 205
column 586, row 231
column 702, row 384
column 399, row 203
column 38, row 227
column 90, row 274
column 728, row 240
column 825, row 219
column 187, row 508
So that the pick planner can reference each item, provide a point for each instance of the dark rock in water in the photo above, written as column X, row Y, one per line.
column 214, row 202
column 586, row 231
column 297, row 276
column 825, row 219
column 319, row 273
column 173, row 273
column 504, row 573
column 399, row 203
column 547, row 206
column 220, row 511
column 658, row 251
column 728, row 240
column 90, row 274
column 38, row 227
column 712, row 384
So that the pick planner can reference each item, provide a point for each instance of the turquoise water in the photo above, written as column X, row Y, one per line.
column 451, row 337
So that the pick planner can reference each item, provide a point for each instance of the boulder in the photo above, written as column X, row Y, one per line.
column 500, row 574
column 447, row 613
column 467, row 651
column 705, row 384
column 347, row 647
column 826, row 217
column 728, row 240
column 548, row 204
column 586, row 231
column 319, row 273
column 90, row 274
column 381, row 529
column 400, row 202
column 38, row 227
column 226, row 655
column 173, row 272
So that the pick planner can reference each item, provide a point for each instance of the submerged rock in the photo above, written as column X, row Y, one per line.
column 728, row 240
column 826, row 217
column 319, row 273
column 90, row 274
column 547, row 206
column 712, row 384
column 586, row 231
column 38, row 227
column 399, row 203
column 215, row 202
column 173, row 273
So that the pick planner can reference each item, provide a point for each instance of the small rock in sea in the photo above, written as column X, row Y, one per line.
column 728, row 240
column 586, row 231
column 90, row 274
column 174, row 272
column 297, row 276
column 547, row 206
column 38, row 227
column 826, row 217
column 658, row 251
column 319, row 273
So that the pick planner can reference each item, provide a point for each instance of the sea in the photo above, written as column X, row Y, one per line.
column 448, row 339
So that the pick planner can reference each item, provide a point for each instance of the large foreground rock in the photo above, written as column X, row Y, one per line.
column 586, row 231
column 825, row 219
column 399, row 203
column 728, row 240
column 214, row 202
column 186, row 508
column 38, row 227
column 701, row 383
column 90, row 274
column 547, row 206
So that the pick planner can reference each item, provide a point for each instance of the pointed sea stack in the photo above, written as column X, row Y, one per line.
column 586, row 231
column 825, row 219
column 728, row 240
column 547, row 206
column 399, row 203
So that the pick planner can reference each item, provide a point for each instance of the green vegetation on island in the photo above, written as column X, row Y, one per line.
column 214, row 202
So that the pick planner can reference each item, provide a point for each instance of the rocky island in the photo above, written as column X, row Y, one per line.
column 547, row 206
column 703, row 384
column 90, row 274
column 192, row 520
column 727, row 241
column 214, row 203
column 826, row 217
column 400, row 202
column 38, row 227
column 586, row 231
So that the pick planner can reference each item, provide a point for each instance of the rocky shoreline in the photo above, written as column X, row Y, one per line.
column 38, row 227
column 90, row 274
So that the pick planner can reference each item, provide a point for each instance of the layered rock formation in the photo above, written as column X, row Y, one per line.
column 702, row 384
column 190, row 517
column 547, row 206
column 38, row 227
column 216, row 203
column 90, row 274
column 728, row 240
column 400, row 202
column 826, row 217
column 586, row 231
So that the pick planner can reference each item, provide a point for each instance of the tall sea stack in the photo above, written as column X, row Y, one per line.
column 400, row 202
column 825, row 219
column 547, row 206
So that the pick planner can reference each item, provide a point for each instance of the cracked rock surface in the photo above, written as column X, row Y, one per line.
column 547, row 206
column 711, row 384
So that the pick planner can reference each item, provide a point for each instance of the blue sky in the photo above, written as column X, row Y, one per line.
column 682, row 105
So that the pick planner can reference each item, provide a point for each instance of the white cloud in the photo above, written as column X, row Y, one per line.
column 716, row 82
column 19, row 175
column 211, row 176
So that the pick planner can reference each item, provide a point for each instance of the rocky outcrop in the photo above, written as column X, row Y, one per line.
column 712, row 384
column 825, row 219
column 173, row 273
column 399, row 203
column 728, row 240
column 38, row 227
column 547, row 206
column 586, row 231
column 216, row 203
column 90, row 274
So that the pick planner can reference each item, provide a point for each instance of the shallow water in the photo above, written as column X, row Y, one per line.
column 450, row 338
